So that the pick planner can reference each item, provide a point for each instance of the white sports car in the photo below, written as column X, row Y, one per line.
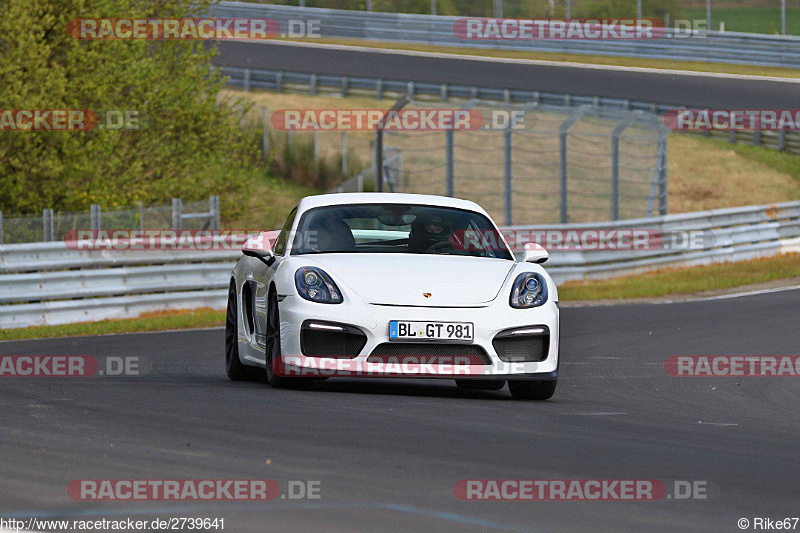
column 393, row 285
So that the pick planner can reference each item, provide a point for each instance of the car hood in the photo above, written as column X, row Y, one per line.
column 404, row 279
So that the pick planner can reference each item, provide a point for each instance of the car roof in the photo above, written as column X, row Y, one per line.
column 346, row 198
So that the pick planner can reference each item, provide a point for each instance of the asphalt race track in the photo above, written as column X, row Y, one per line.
column 387, row 453
column 649, row 86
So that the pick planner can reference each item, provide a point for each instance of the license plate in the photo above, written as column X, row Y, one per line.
column 428, row 331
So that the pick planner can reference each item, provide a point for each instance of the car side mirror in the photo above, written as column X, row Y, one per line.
column 535, row 253
column 260, row 248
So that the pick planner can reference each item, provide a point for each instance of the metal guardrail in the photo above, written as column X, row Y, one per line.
column 279, row 81
column 708, row 46
column 51, row 292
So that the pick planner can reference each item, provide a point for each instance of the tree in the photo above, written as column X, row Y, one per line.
column 185, row 135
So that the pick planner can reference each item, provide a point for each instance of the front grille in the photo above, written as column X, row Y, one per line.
column 329, row 343
column 522, row 348
column 431, row 353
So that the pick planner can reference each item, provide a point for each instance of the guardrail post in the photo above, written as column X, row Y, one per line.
column 782, row 140
column 312, row 85
column 732, row 136
column 443, row 92
column 536, row 97
column 410, row 90
column 94, row 217
column 563, row 130
column 507, row 174
column 344, row 153
column 506, row 94
column 213, row 211
column 345, row 86
column 1, row 227
column 47, row 225
column 177, row 207
column 379, row 89
column 449, row 176
column 474, row 94
column 246, row 82
column 265, row 132
column 279, row 82
column 756, row 137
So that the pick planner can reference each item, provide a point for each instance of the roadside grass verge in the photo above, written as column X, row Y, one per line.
column 160, row 321
column 684, row 281
column 695, row 66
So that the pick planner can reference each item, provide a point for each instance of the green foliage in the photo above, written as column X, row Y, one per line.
column 185, row 135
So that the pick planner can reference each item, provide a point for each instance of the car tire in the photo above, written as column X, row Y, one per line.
column 532, row 389
column 480, row 384
column 273, row 348
column 233, row 366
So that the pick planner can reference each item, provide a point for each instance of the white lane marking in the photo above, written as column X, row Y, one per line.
column 715, row 423
column 541, row 62
column 601, row 414
column 748, row 293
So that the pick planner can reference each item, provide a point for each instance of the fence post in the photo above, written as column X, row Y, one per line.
column 782, row 140
column 450, row 178
column 663, row 207
column 316, row 155
column 344, row 153
column 312, row 85
column 443, row 92
column 576, row 115
column 507, row 161
column 411, row 90
column 47, row 225
column 1, row 227
column 345, row 85
column 176, row 214
column 615, row 135
column 246, row 83
column 379, row 89
column 141, row 217
column 265, row 132
column 378, row 158
column 94, row 217
column 213, row 211
column 756, row 137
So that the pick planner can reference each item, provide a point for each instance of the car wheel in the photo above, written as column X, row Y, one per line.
column 480, row 384
column 233, row 366
column 274, row 347
column 532, row 390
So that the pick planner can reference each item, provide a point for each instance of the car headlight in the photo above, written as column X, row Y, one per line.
column 529, row 290
column 315, row 285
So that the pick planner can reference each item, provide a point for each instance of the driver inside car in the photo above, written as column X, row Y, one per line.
column 428, row 232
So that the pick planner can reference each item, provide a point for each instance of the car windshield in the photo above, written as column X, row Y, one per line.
column 397, row 228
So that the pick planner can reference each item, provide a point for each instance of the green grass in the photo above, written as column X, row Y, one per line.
column 749, row 19
column 199, row 318
column 684, row 281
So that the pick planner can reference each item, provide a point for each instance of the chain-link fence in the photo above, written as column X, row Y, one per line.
column 52, row 225
column 537, row 163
